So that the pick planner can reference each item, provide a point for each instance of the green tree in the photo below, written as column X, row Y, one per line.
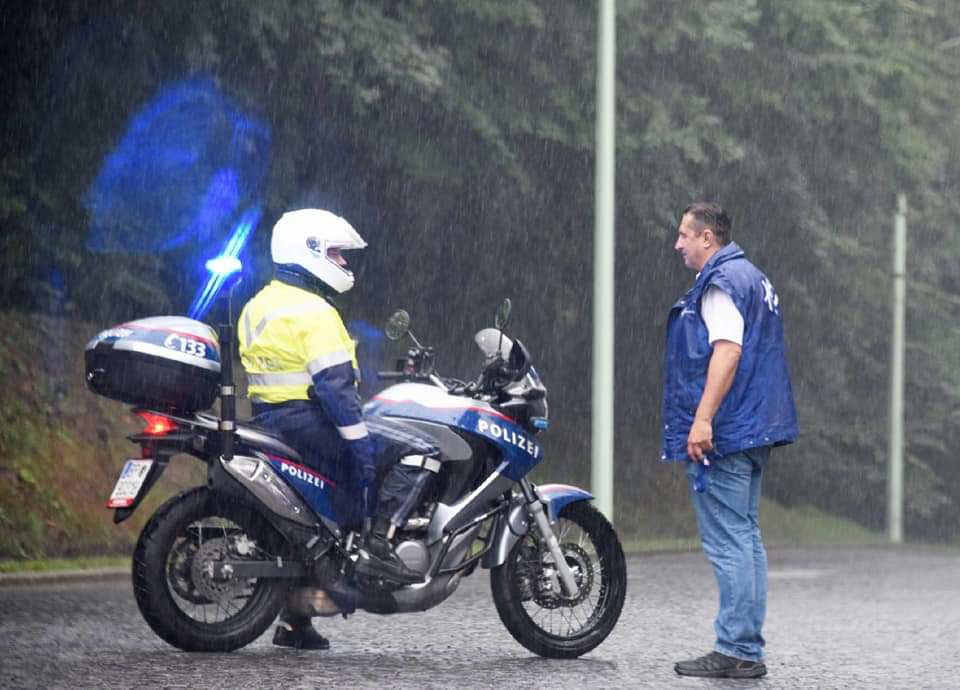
column 459, row 138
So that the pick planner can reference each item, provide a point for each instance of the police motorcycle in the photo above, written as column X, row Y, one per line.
column 215, row 564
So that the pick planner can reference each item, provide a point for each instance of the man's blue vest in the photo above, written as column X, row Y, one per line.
column 758, row 410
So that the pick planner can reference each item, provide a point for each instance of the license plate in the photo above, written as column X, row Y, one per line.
column 132, row 476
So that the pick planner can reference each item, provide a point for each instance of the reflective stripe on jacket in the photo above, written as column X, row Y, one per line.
column 758, row 410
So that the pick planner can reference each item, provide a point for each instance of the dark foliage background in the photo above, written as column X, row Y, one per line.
column 458, row 138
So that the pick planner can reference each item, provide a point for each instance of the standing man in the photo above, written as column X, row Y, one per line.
column 726, row 402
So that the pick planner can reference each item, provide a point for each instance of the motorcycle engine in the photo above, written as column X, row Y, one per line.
column 414, row 555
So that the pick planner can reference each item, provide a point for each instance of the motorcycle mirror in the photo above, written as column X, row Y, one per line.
column 503, row 314
column 397, row 325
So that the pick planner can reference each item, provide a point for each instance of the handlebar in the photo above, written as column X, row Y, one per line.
column 392, row 375
column 406, row 376
column 452, row 386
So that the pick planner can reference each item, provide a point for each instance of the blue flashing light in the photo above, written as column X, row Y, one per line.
column 224, row 265
column 188, row 163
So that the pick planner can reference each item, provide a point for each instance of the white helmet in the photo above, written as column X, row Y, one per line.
column 304, row 238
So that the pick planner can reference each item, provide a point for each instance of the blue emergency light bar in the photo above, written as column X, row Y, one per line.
column 225, row 265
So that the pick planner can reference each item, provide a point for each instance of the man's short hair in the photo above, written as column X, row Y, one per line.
column 709, row 214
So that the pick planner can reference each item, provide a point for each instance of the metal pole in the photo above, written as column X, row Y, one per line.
column 895, row 474
column 228, row 398
column 601, row 475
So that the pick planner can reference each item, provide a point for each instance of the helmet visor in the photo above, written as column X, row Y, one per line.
column 336, row 256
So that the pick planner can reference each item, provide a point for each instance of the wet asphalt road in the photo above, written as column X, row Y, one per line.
column 837, row 618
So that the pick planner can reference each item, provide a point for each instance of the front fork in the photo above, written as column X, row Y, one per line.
column 535, row 508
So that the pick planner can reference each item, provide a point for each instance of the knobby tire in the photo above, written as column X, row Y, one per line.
column 152, row 589
column 510, row 590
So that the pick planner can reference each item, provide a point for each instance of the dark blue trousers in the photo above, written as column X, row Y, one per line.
column 305, row 428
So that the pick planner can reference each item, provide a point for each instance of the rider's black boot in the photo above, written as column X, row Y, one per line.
column 297, row 632
column 377, row 559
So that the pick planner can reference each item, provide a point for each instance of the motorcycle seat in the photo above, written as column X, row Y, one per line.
column 212, row 420
column 259, row 429
column 267, row 439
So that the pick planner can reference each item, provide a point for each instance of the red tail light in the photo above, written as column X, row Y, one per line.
column 157, row 424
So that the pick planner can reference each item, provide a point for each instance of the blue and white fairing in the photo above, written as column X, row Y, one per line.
column 431, row 404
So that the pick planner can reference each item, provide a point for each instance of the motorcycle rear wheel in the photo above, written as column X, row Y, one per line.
column 176, row 594
column 528, row 599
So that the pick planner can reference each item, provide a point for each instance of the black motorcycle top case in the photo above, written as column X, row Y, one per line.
column 163, row 362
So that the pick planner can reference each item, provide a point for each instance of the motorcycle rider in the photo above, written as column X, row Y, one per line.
column 302, row 380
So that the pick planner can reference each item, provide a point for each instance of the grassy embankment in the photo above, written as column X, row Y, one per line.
column 61, row 448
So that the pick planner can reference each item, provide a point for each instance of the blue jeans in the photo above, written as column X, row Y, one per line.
column 728, row 512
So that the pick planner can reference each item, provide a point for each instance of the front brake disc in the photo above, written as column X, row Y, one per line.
column 548, row 594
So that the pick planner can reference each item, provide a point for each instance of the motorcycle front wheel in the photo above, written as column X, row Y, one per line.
column 531, row 603
column 173, row 579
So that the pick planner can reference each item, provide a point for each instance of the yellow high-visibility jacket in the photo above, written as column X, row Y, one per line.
column 291, row 338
